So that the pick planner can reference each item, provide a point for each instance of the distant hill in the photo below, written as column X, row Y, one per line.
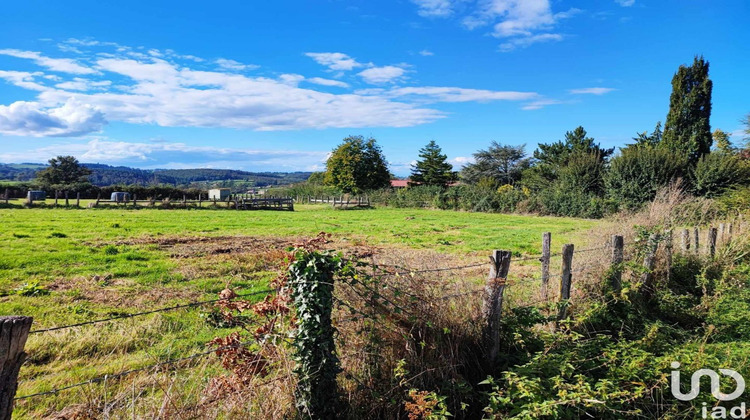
column 104, row 175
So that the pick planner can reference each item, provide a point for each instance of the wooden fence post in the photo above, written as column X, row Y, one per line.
column 57, row 194
column 6, row 196
column 78, row 199
column 696, row 239
column 492, row 304
column 67, row 201
column 618, row 248
column 649, row 262
column 685, row 240
column 546, row 242
column 720, row 237
column 712, row 234
column 135, row 200
column 98, row 197
column 14, row 330
column 566, row 279
column 669, row 247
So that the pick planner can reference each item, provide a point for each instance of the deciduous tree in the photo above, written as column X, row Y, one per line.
column 64, row 173
column 357, row 165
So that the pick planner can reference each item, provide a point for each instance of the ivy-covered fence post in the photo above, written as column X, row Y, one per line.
column 311, row 278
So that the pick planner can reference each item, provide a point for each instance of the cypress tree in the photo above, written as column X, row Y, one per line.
column 688, row 129
column 433, row 167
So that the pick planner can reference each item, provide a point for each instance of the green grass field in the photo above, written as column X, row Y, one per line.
column 63, row 266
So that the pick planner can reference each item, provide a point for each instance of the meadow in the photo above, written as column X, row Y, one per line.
column 63, row 266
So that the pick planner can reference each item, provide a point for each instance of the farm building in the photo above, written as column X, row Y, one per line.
column 120, row 196
column 36, row 195
column 218, row 194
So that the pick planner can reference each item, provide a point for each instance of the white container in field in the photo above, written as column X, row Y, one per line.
column 218, row 194
column 36, row 195
column 120, row 197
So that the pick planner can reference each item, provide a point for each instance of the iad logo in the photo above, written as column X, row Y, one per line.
column 695, row 389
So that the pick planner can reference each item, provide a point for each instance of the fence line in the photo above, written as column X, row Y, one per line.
column 130, row 371
column 492, row 291
column 170, row 308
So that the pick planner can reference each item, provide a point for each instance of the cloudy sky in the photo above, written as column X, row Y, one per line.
column 276, row 85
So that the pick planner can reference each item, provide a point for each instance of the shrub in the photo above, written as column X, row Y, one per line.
column 638, row 173
column 561, row 201
column 584, row 172
column 717, row 172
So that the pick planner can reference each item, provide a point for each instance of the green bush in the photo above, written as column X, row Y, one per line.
column 638, row 173
column 717, row 172
column 558, row 200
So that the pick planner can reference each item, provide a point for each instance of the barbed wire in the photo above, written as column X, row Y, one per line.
column 427, row 270
column 125, row 316
column 455, row 295
column 130, row 371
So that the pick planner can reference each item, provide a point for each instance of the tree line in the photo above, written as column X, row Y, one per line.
column 574, row 176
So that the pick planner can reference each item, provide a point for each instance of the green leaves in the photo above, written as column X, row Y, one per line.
column 688, row 130
column 432, row 168
column 357, row 165
column 311, row 277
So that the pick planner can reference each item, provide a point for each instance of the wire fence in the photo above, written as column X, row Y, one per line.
column 137, row 314
column 383, row 271
column 104, row 378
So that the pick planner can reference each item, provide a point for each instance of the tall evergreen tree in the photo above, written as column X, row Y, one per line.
column 432, row 168
column 688, row 128
column 498, row 162
column 357, row 165
column 576, row 141
column 553, row 158
column 648, row 140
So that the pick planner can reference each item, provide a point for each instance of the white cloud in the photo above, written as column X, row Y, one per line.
column 435, row 8
column 591, row 91
column 327, row 82
column 383, row 74
column 520, row 22
column 625, row 3
column 455, row 94
column 539, row 104
column 426, row 53
column 526, row 41
column 335, row 61
column 460, row 161
column 23, row 79
column 31, row 119
column 228, row 64
column 163, row 93
column 166, row 155
column 169, row 92
column 81, row 84
column 64, row 65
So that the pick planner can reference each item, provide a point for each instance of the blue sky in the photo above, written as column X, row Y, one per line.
column 277, row 85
